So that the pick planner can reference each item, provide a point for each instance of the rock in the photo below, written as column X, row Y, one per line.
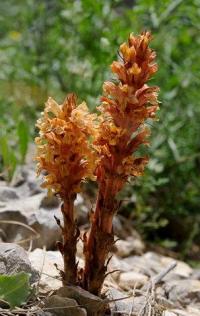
column 31, row 212
column 117, row 263
column 196, row 274
column 79, row 248
column 128, row 280
column 194, row 310
column 124, row 304
column 49, row 202
column 44, row 262
column 151, row 264
column 182, row 270
column 141, row 264
column 62, row 306
column 181, row 312
column 42, row 313
column 118, row 228
column 31, row 179
column 81, row 210
column 7, row 194
column 25, row 177
column 14, row 259
column 119, row 301
column 17, row 178
column 93, row 304
column 183, row 291
column 129, row 246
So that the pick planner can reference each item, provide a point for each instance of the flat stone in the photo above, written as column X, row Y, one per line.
column 93, row 304
column 62, row 306
column 7, row 194
column 119, row 301
column 128, row 280
column 31, row 212
column 129, row 247
column 183, row 291
column 196, row 274
column 181, row 312
column 44, row 262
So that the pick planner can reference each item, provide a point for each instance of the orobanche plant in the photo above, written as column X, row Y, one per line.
column 75, row 146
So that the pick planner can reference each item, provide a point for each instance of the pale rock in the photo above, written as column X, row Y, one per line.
column 79, row 248
column 119, row 301
column 195, row 310
column 62, row 306
column 44, row 262
column 7, row 194
column 14, row 259
column 81, row 210
column 147, row 265
column 93, row 304
column 196, row 274
column 123, row 304
column 129, row 246
column 182, row 269
column 118, row 266
column 128, row 280
column 151, row 264
column 31, row 212
column 183, row 291
column 181, row 312
column 168, row 313
column 118, row 228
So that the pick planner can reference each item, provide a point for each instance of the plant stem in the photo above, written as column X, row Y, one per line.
column 99, row 242
column 70, row 236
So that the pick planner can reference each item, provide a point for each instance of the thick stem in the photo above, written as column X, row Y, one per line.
column 99, row 243
column 70, row 235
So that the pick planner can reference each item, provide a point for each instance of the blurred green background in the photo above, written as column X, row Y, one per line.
column 50, row 48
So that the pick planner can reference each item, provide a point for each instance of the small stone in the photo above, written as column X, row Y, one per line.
column 181, row 312
column 93, row 304
column 49, row 202
column 194, row 310
column 182, row 269
column 129, row 246
column 121, row 303
column 79, row 248
column 14, row 259
column 183, row 291
column 7, row 194
column 196, row 274
column 62, row 306
column 44, row 262
column 81, row 210
column 29, row 211
column 128, row 280
column 168, row 313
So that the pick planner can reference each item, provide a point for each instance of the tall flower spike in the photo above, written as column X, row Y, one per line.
column 65, row 154
column 126, row 105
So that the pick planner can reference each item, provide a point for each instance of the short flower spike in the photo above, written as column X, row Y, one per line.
column 65, row 154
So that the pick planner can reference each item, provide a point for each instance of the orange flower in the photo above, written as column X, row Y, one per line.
column 126, row 106
column 64, row 151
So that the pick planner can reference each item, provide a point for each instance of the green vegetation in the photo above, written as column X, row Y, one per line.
column 51, row 47
column 14, row 289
